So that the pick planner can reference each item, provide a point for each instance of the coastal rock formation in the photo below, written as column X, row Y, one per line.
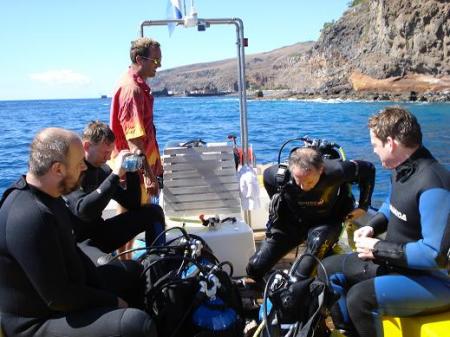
column 262, row 72
column 377, row 46
column 397, row 39
column 398, row 84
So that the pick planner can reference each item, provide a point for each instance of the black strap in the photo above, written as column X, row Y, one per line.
column 18, row 185
column 305, row 330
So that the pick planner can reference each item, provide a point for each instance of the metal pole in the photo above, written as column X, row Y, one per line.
column 242, row 92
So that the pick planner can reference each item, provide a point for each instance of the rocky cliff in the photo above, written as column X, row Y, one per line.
column 262, row 72
column 378, row 46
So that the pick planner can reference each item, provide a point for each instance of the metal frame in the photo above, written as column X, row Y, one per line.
column 203, row 24
column 240, row 66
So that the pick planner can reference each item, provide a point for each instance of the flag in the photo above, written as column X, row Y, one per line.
column 173, row 12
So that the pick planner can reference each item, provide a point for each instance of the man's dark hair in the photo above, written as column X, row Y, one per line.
column 141, row 47
column 397, row 123
column 306, row 158
column 49, row 146
column 98, row 132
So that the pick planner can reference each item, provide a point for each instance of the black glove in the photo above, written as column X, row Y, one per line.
column 274, row 207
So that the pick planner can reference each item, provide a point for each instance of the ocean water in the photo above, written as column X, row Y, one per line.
column 270, row 123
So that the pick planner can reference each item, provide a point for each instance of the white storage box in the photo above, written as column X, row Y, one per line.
column 229, row 241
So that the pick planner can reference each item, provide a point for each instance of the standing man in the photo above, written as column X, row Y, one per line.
column 48, row 287
column 310, row 207
column 131, row 117
column 405, row 273
column 99, row 185
column 132, row 110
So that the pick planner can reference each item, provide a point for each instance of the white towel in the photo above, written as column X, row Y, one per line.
column 249, row 188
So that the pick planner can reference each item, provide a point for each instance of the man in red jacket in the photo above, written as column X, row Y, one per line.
column 131, row 117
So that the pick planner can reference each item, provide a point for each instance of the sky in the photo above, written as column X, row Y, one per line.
column 79, row 48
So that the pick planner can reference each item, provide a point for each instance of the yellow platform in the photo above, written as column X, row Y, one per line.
column 437, row 325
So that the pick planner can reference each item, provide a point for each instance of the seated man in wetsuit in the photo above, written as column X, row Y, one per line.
column 48, row 286
column 311, row 206
column 99, row 185
column 404, row 274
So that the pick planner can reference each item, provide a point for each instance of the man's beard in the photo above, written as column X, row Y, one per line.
column 66, row 186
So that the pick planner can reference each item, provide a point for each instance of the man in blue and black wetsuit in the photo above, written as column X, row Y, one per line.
column 311, row 206
column 48, row 287
column 404, row 274
column 99, row 185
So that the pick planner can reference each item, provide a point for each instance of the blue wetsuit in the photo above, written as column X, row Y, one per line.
column 408, row 275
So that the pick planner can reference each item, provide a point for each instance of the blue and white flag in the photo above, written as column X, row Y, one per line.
column 173, row 12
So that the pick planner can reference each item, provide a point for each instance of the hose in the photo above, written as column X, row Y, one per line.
column 259, row 329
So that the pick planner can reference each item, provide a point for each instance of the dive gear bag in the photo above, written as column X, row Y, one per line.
column 189, row 292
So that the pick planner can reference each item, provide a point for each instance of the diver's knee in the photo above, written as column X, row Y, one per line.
column 137, row 323
column 255, row 268
column 153, row 213
column 251, row 270
column 361, row 299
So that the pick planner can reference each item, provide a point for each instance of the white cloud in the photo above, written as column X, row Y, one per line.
column 60, row 77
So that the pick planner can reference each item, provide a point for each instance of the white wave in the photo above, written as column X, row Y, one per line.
column 335, row 100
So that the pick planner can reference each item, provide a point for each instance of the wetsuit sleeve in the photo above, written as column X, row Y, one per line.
column 130, row 198
column 430, row 251
column 434, row 208
column 89, row 207
column 365, row 176
column 380, row 220
column 35, row 243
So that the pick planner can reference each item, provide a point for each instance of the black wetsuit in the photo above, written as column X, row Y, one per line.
column 48, row 287
column 408, row 276
column 315, row 215
column 99, row 185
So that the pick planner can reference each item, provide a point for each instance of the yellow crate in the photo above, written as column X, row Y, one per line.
column 437, row 325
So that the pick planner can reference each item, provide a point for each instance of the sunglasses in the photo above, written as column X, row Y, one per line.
column 156, row 62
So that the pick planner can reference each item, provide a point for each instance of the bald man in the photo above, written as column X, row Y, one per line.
column 48, row 287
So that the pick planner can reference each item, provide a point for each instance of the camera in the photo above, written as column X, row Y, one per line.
column 132, row 163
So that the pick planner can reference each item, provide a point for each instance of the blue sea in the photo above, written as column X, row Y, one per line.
column 270, row 123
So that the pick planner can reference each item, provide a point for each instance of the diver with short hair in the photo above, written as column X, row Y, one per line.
column 405, row 273
column 48, row 286
column 100, row 185
column 311, row 206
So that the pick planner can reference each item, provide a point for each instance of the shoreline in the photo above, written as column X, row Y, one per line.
column 412, row 97
column 346, row 96
column 284, row 94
